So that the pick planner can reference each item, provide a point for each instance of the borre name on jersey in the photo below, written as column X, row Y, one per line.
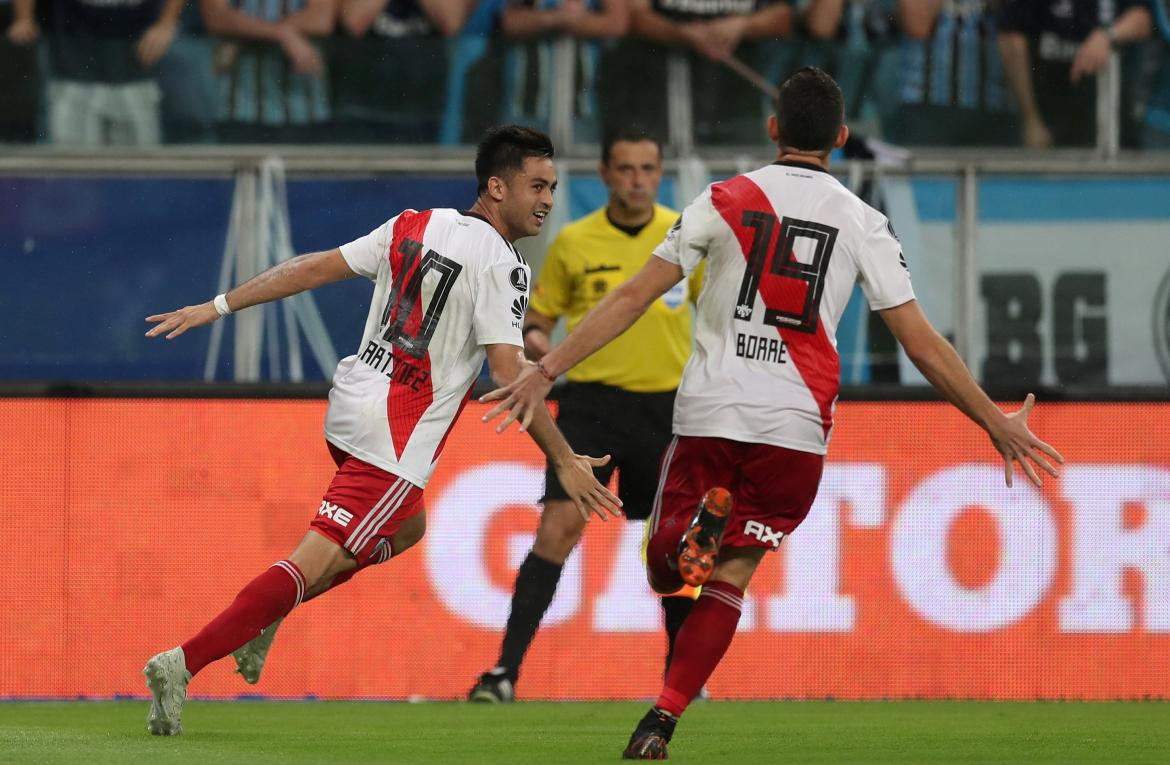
column 785, row 244
column 447, row 284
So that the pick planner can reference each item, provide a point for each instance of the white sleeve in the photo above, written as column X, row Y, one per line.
column 501, row 301
column 687, row 241
column 365, row 254
column 883, row 274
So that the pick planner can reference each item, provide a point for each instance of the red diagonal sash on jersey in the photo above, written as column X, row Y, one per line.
column 451, row 425
column 815, row 357
column 405, row 405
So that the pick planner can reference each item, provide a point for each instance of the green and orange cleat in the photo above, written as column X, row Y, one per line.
column 698, row 550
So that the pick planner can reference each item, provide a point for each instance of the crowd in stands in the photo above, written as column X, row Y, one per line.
column 914, row 72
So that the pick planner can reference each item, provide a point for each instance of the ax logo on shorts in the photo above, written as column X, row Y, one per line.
column 763, row 533
column 339, row 514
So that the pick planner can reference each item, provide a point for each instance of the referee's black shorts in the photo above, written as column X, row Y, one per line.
column 635, row 428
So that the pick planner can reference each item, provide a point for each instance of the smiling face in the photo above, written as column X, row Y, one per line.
column 525, row 198
column 632, row 175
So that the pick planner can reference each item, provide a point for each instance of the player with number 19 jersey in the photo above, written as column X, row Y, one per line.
column 447, row 284
column 785, row 244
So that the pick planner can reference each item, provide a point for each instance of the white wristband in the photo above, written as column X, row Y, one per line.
column 221, row 304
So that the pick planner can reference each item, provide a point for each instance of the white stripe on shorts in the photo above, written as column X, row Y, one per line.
column 357, row 531
column 383, row 515
column 656, row 509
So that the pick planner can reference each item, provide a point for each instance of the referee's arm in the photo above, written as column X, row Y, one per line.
column 537, row 329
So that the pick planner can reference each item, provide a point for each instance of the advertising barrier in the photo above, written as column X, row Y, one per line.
column 128, row 524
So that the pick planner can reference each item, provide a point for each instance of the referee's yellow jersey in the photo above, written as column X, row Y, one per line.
column 589, row 258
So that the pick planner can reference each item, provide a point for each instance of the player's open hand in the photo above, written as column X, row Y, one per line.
column 1016, row 443
column 519, row 398
column 175, row 323
column 589, row 496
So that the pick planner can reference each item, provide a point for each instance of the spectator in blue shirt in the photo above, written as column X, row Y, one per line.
column 271, row 70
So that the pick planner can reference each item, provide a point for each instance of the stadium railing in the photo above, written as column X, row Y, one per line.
column 575, row 89
column 1005, row 249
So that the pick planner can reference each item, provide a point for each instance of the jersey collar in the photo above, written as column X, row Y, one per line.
column 512, row 247
column 631, row 231
column 801, row 165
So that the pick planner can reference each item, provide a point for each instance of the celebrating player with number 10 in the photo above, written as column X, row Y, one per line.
column 450, row 290
column 784, row 246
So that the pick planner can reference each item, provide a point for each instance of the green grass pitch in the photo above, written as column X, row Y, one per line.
column 711, row 732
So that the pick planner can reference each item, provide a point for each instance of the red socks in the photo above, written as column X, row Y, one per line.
column 262, row 601
column 701, row 643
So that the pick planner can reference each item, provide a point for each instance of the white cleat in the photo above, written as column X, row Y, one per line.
column 251, row 655
column 167, row 678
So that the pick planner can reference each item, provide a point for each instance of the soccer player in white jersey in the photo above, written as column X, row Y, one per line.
column 449, row 290
column 784, row 246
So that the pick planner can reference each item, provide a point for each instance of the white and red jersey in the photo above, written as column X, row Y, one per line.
column 785, row 244
column 447, row 285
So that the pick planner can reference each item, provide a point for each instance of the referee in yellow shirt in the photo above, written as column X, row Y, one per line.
column 620, row 400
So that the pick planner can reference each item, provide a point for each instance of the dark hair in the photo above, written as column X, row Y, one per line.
column 810, row 110
column 503, row 150
column 631, row 134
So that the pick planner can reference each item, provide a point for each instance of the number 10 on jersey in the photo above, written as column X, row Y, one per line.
column 405, row 329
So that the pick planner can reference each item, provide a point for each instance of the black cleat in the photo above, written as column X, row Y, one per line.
column 698, row 551
column 493, row 687
column 649, row 739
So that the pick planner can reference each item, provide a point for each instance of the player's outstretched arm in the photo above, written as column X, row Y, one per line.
column 575, row 471
column 608, row 319
column 941, row 365
column 298, row 274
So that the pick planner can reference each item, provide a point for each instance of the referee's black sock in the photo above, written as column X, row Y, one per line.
column 536, row 583
column 674, row 612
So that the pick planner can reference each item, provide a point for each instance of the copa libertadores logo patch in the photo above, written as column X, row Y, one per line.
column 673, row 233
column 1162, row 324
column 519, row 279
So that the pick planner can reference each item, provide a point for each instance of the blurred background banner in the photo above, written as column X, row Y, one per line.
column 1070, row 275
column 130, row 522
column 1067, row 276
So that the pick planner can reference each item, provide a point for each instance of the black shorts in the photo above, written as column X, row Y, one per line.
column 634, row 428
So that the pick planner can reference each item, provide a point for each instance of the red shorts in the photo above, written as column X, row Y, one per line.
column 772, row 488
column 363, row 507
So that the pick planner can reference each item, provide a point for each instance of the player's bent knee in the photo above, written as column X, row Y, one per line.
column 737, row 565
column 559, row 531
column 663, row 581
column 553, row 549
column 408, row 534
column 320, row 559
